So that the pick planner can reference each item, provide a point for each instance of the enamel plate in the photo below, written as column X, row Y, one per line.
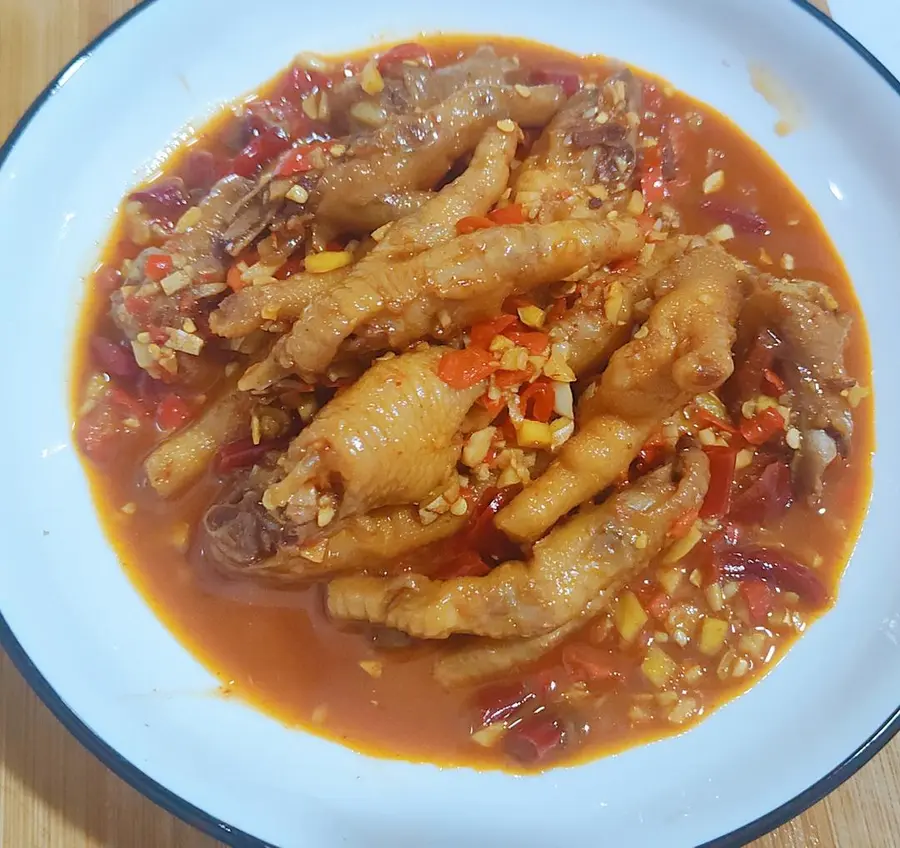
column 94, row 650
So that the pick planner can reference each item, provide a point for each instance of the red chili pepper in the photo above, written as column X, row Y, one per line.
column 553, row 73
column 741, row 220
column 759, row 600
column 749, row 376
column 763, row 426
column 534, row 739
column 482, row 334
column 294, row 265
column 535, row 341
column 107, row 279
column 242, row 453
column 541, row 398
column 298, row 160
column 482, row 535
column 586, row 664
column 235, row 277
column 652, row 453
column 721, row 479
column 512, row 214
column 115, row 360
column 471, row 223
column 773, row 566
column 165, row 198
column 557, row 310
column 658, row 606
column 767, row 497
column 298, row 82
column 653, row 186
column 498, row 702
column 464, row 368
column 509, row 379
column 683, row 523
column 172, row 412
column 199, row 169
column 493, row 406
column 259, row 150
column 406, row 52
column 774, row 381
column 467, row 564
column 706, row 417
column 158, row 266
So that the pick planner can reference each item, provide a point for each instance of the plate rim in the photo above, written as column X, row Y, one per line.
column 205, row 822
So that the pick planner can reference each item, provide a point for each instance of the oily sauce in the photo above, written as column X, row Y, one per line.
column 277, row 649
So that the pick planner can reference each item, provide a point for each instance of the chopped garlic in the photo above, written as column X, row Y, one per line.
column 635, row 205
column 724, row 232
column 534, row 434
column 506, row 125
column 714, row 182
column 562, row 400
column 373, row 668
column 298, row 194
column 370, row 78
column 532, row 316
column 175, row 282
column 477, row 446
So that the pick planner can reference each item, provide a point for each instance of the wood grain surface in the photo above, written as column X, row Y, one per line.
column 52, row 792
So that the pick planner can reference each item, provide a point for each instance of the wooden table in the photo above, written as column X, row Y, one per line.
column 52, row 792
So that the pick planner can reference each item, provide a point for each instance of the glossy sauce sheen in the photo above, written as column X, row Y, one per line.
column 277, row 648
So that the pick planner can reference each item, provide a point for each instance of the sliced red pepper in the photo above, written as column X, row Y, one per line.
column 658, row 606
column 721, row 479
column 165, row 199
column 538, row 400
column 586, row 664
column 234, row 278
column 553, row 73
column 683, row 523
column 706, row 417
column 511, row 214
column 298, row 82
column 749, row 377
column 776, row 567
column 471, row 223
column 653, row 186
column 467, row 564
column 767, row 497
column 482, row 534
column 763, row 426
column 242, row 453
column 557, row 310
column 776, row 383
column 297, row 161
column 535, row 341
column 482, row 334
column 259, row 150
column 759, row 598
column 107, row 279
column 115, row 360
column 500, row 701
column 406, row 52
column 508, row 379
column 652, row 453
column 535, row 739
column 741, row 220
column 492, row 405
column 464, row 368
column 172, row 412
column 158, row 266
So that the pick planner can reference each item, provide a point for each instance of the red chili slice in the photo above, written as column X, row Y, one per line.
column 535, row 739
column 776, row 567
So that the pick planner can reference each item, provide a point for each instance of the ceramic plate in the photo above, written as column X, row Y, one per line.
column 94, row 650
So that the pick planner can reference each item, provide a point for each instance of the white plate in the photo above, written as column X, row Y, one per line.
column 111, row 672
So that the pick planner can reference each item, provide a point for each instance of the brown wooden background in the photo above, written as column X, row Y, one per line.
column 52, row 792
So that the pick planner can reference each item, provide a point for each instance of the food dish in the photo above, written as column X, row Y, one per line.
column 514, row 358
column 83, row 602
